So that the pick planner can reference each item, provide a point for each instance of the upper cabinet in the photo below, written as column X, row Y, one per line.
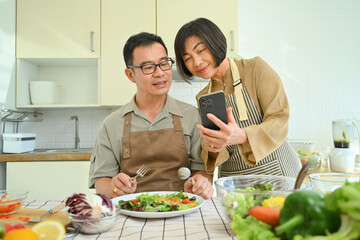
column 59, row 41
column 172, row 14
column 120, row 20
column 58, row 29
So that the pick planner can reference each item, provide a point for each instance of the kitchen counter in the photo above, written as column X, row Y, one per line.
column 46, row 156
column 48, row 173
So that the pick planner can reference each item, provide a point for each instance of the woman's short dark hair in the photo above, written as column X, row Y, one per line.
column 140, row 39
column 212, row 36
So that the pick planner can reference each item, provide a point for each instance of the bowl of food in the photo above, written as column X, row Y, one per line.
column 313, row 157
column 11, row 201
column 93, row 225
column 328, row 182
column 239, row 193
column 91, row 213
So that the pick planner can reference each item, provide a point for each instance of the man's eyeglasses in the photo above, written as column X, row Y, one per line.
column 151, row 68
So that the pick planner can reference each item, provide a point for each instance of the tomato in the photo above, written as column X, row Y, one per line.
column 17, row 226
column 12, row 207
column 6, row 228
column 303, row 160
column 4, row 209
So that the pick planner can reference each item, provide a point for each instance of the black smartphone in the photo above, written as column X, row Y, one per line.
column 213, row 103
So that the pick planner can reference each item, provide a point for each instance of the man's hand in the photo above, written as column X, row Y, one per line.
column 122, row 184
column 202, row 187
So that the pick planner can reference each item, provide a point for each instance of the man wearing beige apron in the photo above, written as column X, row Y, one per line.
column 153, row 129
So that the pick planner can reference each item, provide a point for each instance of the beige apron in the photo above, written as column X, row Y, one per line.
column 163, row 151
column 283, row 161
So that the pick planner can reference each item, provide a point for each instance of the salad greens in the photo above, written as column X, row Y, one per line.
column 250, row 228
column 159, row 203
column 345, row 200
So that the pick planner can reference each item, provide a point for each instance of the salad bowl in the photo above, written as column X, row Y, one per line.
column 239, row 193
column 313, row 158
column 329, row 182
column 93, row 226
column 11, row 201
column 91, row 213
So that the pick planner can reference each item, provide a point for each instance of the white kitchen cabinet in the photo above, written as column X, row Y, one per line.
column 162, row 17
column 58, row 29
column 59, row 41
column 120, row 20
column 54, row 180
column 172, row 14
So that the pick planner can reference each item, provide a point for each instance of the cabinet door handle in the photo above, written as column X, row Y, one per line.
column 232, row 37
column 92, row 48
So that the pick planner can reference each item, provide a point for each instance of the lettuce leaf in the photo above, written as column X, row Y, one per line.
column 250, row 228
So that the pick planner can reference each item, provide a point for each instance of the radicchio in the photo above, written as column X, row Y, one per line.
column 90, row 206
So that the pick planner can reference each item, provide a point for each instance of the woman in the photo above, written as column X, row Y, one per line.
column 254, row 141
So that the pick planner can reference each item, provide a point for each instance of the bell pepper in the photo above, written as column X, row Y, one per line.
column 2, row 231
column 304, row 213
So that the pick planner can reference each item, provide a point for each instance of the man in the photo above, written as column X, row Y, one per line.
column 153, row 129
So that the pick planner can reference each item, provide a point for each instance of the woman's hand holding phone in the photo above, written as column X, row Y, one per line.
column 212, row 103
column 229, row 134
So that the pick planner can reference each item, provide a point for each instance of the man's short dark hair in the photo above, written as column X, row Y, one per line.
column 140, row 39
column 209, row 32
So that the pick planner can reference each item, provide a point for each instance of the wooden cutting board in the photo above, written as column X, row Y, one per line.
column 34, row 213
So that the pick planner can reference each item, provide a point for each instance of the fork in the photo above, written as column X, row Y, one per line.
column 140, row 172
column 51, row 211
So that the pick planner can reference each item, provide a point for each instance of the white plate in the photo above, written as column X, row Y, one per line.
column 156, row 214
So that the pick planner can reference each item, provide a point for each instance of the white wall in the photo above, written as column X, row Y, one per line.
column 313, row 45
column 315, row 48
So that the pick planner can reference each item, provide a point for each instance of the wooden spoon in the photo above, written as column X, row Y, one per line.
column 302, row 174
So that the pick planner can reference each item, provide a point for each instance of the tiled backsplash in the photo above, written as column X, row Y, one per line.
column 187, row 92
column 58, row 131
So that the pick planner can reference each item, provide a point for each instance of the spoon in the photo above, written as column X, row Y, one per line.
column 301, row 175
column 51, row 211
column 185, row 173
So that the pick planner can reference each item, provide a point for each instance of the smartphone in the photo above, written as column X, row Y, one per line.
column 212, row 103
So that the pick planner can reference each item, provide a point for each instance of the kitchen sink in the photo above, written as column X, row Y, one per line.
column 62, row 150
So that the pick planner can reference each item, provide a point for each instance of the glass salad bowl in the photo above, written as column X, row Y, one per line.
column 329, row 182
column 93, row 226
column 91, row 213
column 313, row 157
column 238, row 193
column 11, row 201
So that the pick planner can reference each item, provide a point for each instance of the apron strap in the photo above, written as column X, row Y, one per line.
column 126, row 138
column 240, row 102
column 177, row 123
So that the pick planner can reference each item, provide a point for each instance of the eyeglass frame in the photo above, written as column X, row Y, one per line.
column 156, row 65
